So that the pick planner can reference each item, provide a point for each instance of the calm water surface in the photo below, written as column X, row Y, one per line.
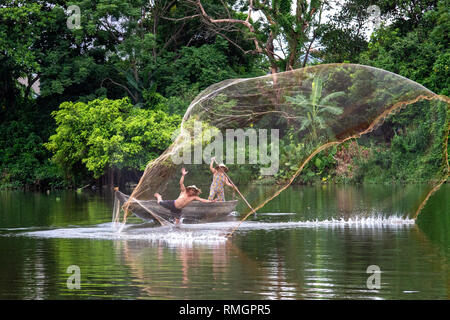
column 309, row 243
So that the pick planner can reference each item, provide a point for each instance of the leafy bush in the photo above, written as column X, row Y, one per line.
column 415, row 152
column 108, row 134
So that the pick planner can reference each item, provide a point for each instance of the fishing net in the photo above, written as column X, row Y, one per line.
column 268, row 129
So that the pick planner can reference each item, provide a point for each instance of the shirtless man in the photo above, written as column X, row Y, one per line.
column 187, row 195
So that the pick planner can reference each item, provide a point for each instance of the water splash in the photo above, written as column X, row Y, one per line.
column 144, row 232
column 206, row 233
column 373, row 222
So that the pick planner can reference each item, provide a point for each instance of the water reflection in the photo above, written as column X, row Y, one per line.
column 201, row 270
column 283, row 253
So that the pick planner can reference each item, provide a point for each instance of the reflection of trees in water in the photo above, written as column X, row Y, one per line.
column 437, row 264
column 162, row 271
column 329, row 201
column 219, row 271
column 358, row 201
column 329, row 263
column 434, row 224
column 346, row 199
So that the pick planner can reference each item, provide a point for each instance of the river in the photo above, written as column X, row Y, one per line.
column 311, row 242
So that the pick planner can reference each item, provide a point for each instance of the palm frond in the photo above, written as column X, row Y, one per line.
column 331, row 109
column 331, row 96
column 305, row 123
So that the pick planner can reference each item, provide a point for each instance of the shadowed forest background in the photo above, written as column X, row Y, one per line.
column 90, row 106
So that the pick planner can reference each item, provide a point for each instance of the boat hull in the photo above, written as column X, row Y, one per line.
column 194, row 212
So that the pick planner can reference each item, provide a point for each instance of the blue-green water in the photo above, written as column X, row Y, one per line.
column 309, row 243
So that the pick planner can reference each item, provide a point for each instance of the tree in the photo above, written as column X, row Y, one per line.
column 316, row 107
column 22, row 31
column 285, row 25
column 137, row 48
column 122, row 49
column 107, row 136
column 345, row 35
column 421, row 54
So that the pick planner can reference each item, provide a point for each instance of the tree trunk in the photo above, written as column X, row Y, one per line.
column 111, row 178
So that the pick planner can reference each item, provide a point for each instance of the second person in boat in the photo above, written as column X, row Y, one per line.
column 217, row 192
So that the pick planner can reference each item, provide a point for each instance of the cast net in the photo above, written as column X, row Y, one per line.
column 268, row 129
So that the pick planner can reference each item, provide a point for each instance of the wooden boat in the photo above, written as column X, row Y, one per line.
column 194, row 212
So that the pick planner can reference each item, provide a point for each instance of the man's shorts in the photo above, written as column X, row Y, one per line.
column 170, row 205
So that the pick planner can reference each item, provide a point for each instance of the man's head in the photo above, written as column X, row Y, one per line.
column 193, row 191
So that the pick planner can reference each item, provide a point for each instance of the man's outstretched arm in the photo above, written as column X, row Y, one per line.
column 183, row 173
column 204, row 200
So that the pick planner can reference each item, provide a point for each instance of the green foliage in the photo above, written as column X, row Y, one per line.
column 292, row 155
column 17, row 33
column 415, row 152
column 122, row 49
column 280, row 26
column 24, row 161
column 196, row 67
column 340, row 44
column 320, row 168
column 316, row 108
column 128, row 49
column 105, row 134
column 421, row 54
column 411, row 152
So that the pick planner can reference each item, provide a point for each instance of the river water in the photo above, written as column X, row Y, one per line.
column 312, row 242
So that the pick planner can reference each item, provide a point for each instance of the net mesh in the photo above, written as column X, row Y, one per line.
column 267, row 129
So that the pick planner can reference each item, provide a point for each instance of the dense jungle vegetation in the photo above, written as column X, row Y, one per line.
column 112, row 91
